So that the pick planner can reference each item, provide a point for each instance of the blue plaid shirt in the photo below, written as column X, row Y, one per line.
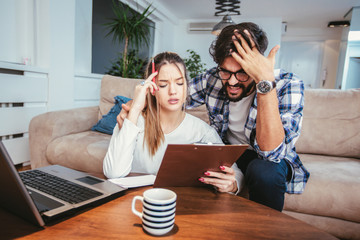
column 207, row 89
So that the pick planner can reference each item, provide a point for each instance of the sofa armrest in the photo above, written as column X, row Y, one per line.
column 46, row 127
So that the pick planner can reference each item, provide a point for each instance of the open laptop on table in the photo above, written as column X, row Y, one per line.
column 50, row 192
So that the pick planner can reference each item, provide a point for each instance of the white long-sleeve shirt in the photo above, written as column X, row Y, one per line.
column 127, row 153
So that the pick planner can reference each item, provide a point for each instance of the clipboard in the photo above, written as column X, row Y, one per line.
column 184, row 164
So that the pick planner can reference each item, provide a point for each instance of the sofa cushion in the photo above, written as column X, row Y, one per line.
column 112, row 86
column 200, row 112
column 331, row 123
column 107, row 123
column 83, row 151
column 340, row 228
column 332, row 189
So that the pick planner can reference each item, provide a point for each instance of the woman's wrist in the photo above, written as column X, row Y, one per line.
column 133, row 115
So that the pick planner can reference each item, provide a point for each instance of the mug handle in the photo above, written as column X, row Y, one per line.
column 137, row 213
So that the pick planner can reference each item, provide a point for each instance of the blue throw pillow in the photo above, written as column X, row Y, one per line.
column 108, row 121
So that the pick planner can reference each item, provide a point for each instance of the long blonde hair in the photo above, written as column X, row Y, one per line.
column 153, row 134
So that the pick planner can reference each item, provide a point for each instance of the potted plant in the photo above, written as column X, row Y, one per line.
column 129, row 26
column 193, row 64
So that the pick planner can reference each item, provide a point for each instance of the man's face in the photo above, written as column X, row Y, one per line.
column 235, row 89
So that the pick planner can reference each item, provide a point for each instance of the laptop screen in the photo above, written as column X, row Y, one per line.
column 14, row 195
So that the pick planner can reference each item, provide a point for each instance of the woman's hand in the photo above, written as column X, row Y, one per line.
column 223, row 181
column 141, row 91
column 139, row 101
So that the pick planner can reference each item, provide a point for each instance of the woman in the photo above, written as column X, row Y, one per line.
column 157, row 118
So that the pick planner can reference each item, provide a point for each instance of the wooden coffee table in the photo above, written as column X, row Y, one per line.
column 200, row 214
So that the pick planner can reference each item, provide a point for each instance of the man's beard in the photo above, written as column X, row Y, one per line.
column 246, row 91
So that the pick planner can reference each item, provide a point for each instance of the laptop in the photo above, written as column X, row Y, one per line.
column 36, row 196
column 184, row 164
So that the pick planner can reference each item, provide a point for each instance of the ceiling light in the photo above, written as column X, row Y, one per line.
column 225, row 8
column 339, row 24
column 226, row 21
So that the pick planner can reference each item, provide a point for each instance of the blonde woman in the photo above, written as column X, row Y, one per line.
column 157, row 118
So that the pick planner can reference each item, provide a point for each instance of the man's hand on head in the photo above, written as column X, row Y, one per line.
column 257, row 66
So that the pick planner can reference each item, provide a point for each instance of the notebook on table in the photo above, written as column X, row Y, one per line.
column 44, row 194
column 184, row 164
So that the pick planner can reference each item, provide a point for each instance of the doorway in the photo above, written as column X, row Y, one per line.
column 304, row 59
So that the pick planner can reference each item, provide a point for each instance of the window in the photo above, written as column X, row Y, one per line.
column 104, row 50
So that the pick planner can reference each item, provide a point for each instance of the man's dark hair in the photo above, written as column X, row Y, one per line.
column 220, row 48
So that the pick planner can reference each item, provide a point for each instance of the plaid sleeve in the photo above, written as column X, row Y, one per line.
column 197, row 90
column 291, row 104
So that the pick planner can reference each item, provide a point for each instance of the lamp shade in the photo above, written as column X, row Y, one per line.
column 226, row 21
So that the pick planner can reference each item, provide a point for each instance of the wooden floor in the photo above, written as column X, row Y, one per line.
column 20, row 167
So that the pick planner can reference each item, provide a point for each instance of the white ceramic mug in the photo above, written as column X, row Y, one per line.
column 158, row 212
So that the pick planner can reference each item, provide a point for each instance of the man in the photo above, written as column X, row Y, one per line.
column 250, row 103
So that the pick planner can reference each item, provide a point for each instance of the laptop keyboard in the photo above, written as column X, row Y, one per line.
column 58, row 187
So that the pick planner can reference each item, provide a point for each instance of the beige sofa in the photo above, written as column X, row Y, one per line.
column 329, row 147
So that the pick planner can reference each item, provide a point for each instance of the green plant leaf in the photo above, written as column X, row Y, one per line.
column 136, row 66
column 193, row 64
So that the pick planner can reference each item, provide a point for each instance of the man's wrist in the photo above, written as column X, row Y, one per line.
column 268, row 76
column 265, row 86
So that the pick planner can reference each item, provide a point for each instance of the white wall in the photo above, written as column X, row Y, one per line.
column 164, row 36
column 197, row 41
column 342, row 57
column 303, row 59
column 329, row 64
column 42, row 34
column 62, row 57
column 83, row 25
column 16, row 45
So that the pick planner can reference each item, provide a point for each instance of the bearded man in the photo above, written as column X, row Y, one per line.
column 249, row 102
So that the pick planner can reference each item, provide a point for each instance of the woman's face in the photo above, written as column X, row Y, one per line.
column 172, row 84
